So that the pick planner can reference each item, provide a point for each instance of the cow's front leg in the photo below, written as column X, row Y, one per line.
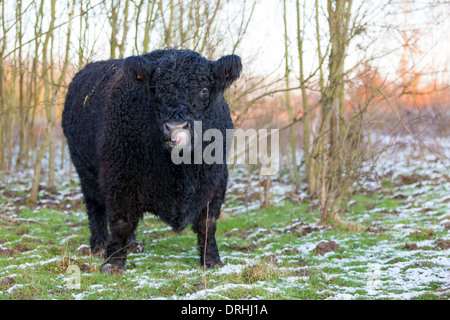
column 205, row 228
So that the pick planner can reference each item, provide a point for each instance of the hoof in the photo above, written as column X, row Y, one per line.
column 213, row 265
column 217, row 265
column 110, row 268
column 98, row 250
column 135, row 246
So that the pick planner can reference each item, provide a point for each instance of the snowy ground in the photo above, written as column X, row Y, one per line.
column 269, row 254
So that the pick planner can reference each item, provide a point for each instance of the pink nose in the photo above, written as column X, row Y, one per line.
column 181, row 138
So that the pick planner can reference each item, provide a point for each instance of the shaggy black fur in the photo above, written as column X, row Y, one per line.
column 114, row 118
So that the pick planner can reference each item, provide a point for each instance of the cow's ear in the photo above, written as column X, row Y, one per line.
column 227, row 69
column 138, row 69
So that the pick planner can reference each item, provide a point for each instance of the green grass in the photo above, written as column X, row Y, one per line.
column 269, row 253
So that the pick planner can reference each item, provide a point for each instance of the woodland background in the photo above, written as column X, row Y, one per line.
column 337, row 77
column 359, row 90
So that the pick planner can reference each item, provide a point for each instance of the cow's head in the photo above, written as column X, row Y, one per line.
column 186, row 87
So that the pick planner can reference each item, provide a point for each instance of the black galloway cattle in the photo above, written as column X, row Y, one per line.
column 120, row 118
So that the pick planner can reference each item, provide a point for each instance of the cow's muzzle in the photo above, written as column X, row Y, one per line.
column 177, row 132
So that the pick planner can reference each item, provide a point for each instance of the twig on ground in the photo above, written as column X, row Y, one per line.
column 19, row 220
column 204, row 250
column 16, row 220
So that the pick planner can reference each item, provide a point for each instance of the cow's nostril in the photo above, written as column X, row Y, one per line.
column 186, row 125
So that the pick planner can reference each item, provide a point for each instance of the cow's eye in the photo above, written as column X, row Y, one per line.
column 204, row 92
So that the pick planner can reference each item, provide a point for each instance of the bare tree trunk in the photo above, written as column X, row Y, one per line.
column 51, row 108
column 57, row 85
column 339, row 13
column 209, row 27
column 148, row 25
column 167, row 25
column 124, row 30
column 339, row 149
column 20, row 65
column 114, row 23
column 315, row 145
column 32, row 144
column 2, row 99
column 37, row 168
column 47, row 102
column 310, row 173
column 288, row 103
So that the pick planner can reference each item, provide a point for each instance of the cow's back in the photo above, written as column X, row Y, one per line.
column 83, row 108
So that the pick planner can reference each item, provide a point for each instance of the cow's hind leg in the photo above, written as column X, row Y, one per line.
column 123, row 219
column 97, row 224
column 95, row 204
